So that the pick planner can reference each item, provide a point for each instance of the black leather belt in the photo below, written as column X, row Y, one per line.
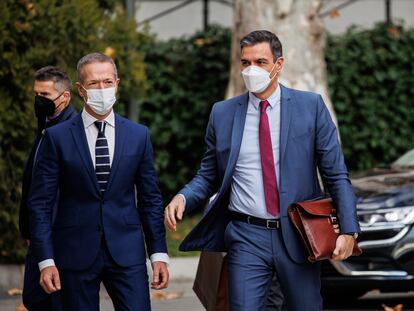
column 267, row 223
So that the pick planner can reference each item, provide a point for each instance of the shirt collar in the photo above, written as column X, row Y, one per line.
column 88, row 120
column 274, row 98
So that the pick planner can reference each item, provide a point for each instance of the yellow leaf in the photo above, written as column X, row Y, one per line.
column 166, row 296
column 110, row 51
column 14, row 291
column 20, row 307
column 176, row 237
column 396, row 308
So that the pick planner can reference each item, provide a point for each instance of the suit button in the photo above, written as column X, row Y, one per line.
column 98, row 228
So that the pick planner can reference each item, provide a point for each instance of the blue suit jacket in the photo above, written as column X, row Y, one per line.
column 83, row 214
column 308, row 138
column 24, row 226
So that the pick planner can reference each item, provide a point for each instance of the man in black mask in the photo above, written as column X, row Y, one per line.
column 51, row 102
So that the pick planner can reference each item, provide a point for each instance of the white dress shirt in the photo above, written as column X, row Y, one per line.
column 247, row 192
column 91, row 132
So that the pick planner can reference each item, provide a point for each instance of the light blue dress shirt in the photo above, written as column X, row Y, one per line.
column 247, row 193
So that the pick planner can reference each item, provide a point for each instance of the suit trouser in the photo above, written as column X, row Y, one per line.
column 127, row 286
column 275, row 300
column 254, row 253
column 34, row 297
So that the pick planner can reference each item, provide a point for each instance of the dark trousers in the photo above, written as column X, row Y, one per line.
column 127, row 286
column 275, row 300
column 254, row 254
column 34, row 297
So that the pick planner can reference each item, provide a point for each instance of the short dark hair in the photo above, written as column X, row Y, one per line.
column 260, row 36
column 94, row 58
column 55, row 74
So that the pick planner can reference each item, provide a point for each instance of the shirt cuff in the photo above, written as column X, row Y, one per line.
column 46, row 263
column 160, row 257
column 182, row 196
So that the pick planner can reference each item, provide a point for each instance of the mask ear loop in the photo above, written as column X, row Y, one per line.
column 56, row 107
column 272, row 70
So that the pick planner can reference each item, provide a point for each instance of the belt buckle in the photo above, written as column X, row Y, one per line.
column 248, row 220
column 275, row 224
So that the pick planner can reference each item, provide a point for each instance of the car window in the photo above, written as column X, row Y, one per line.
column 406, row 160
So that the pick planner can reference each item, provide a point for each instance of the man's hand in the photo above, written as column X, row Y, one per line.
column 174, row 211
column 160, row 275
column 344, row 247
column 49, row 279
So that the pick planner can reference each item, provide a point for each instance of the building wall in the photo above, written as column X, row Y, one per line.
column 188, row 19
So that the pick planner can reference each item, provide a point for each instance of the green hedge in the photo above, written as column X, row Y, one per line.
column 185, row 77
column 371, row 83
column 34, row 34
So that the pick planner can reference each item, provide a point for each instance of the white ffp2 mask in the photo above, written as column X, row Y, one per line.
column 256, row 78
column 101, row 101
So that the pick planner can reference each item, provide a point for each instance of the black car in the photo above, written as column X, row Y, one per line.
column 386, row 213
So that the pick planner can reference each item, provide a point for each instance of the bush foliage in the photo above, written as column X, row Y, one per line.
column 371, row 79
column 185, row 77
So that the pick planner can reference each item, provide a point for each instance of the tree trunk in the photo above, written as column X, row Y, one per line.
column 300, row 30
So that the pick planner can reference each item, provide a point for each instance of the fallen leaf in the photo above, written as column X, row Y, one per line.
column 14, row 291
column 20, row 307
column 334, row 13
column 396, row 308
column 176, row 237
column 166, row 295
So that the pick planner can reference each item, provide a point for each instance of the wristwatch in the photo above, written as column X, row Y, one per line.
column 353, row 234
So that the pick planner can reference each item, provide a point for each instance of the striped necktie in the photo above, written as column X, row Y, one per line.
column 102, row 161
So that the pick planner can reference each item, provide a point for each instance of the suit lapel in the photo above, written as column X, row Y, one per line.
column 120, row 134
column 285, row 118
column 78, row 133
column 236, row 137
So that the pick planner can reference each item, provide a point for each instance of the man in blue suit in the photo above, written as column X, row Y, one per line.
column 263, row 151
column 52, row 97
column 108, row 203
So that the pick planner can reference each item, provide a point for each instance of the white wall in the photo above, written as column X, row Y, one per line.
column 184, row 21
column 187, row 20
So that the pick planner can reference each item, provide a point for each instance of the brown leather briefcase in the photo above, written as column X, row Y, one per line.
column 318, row 227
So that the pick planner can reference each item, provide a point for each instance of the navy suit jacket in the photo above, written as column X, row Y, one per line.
column 130, row 209
column 24, row 226
column 308, row 139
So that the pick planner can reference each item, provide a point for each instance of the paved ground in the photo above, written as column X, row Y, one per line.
column 188, row 301
column 182, row 271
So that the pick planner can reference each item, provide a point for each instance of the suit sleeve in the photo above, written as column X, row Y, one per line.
column 205, row 183
column 42, row 199
column 149, row 200
column 333, row 169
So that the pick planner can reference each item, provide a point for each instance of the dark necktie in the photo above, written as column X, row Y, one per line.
column 102, row 162
column 268, row 165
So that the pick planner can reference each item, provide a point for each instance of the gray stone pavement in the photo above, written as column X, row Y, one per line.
column 187, row 302
column 182, row 272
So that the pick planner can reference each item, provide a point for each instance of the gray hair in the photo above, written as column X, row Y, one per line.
column 260, row 36
column 56, row 75
column 94, row 58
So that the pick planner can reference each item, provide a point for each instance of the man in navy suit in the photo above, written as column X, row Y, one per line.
column 263, row 151
column 52, row 97
column 108, row 205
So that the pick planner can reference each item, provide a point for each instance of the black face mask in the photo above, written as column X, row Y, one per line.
column 44, row 107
